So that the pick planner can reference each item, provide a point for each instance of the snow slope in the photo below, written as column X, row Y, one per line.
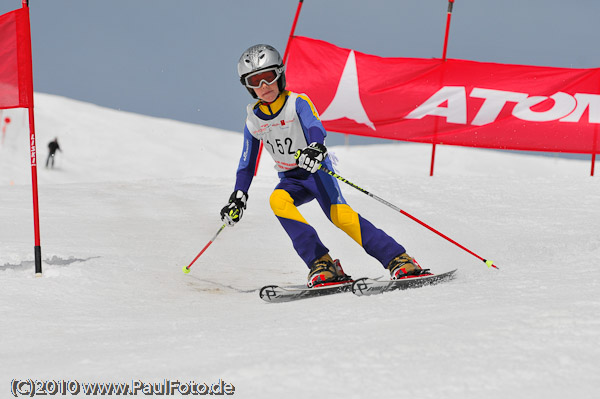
column 133, row 199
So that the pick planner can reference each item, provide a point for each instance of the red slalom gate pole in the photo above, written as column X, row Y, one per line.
column 6, row 122
column 186, row 269
column 285, row 54
column 287, row 46
column 444, row 52
column 448, row 17
column 594, row 151
column 394, row 207
column 32, row 146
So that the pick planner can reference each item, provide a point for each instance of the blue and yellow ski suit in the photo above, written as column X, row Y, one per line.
column 286, row 125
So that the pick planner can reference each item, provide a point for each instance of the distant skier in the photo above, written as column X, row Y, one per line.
column 52, row 148
column 288, row 122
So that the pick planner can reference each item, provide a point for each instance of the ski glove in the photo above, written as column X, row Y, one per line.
column 311, row 157
column 233, row 211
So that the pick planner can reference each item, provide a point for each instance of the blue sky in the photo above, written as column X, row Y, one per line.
column 177, row 59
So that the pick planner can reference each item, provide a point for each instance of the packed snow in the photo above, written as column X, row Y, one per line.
column 132, row 199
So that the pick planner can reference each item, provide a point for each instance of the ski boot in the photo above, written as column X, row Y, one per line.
column 403, row 266
column 326, row 271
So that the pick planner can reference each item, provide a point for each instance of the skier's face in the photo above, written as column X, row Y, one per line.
column 267, row 93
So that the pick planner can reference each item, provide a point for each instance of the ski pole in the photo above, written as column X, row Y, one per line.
column 186, row 269
column 394, row 207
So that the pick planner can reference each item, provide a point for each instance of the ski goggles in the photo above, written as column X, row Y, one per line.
column 268, row 76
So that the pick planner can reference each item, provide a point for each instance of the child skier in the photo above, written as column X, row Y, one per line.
column 288, row 123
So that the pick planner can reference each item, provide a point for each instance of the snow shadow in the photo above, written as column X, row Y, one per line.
column 55, row 260
column 216, row 287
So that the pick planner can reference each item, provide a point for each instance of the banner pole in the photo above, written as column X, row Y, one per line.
column 33, row 154
column 444, row 52
column 287, row 46
column 594, row 151
column 34, row 187
column 432, row 156
column 3, row 129
column 448, row 18
column 285, row 54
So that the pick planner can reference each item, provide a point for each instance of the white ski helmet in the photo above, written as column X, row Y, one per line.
column 258, row 58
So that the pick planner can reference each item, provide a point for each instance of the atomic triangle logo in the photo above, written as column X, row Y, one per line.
column 346, row 102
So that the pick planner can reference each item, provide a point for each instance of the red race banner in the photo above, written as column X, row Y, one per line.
column 452, row 102
column 16, row 82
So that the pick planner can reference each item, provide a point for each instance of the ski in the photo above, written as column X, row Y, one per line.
column 276, row 293
column 368, row 286
column 360, row 287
